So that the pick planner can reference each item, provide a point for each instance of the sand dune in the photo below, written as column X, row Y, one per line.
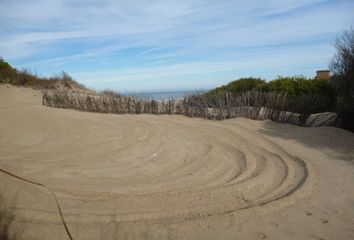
column 170, row 177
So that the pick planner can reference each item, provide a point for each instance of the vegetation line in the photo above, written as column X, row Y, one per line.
column 51, row 192
column 254, row 104
column 285, row 99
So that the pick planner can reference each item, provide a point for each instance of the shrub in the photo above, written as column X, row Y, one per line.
column 25, row 77
column 240, row 85
column 282, row 84
column 305, row 96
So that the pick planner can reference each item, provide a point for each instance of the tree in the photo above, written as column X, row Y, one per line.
column 342, row 66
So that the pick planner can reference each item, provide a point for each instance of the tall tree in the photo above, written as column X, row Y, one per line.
column 342, row 66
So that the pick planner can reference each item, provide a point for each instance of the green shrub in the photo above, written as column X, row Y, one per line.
column 7, row 73
column 240, row 85
column 281, row 84
column 25, row 77
column 305, row 96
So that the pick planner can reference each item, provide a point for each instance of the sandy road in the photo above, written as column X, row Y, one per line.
column 171, row 177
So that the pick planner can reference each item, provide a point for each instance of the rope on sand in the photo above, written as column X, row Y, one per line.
column 51, row 192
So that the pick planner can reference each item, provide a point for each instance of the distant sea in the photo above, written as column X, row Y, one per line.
column 164, row 95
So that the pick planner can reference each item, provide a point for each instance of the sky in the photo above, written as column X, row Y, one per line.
column 162, row 45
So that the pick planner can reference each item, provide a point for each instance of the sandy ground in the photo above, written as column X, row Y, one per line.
column 170, row 177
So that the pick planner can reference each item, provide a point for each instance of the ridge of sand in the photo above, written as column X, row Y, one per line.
column 161, row 177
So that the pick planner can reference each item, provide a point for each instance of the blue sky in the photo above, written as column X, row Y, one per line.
column 146, row 45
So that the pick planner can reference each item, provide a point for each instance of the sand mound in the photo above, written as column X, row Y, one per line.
column 129, row 175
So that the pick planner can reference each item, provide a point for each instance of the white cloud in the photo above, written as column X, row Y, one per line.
column 281, row 59
column 214, row 35
column 42, row 21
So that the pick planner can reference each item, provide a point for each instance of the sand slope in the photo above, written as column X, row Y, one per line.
column 170, row 177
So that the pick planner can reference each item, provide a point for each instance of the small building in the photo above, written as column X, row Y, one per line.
column 322, row 74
